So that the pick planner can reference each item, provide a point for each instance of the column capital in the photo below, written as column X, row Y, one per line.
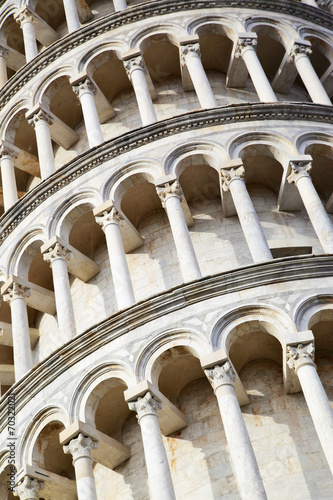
column 300, row 355
column 15, row 291
column 244, row 41
column 134, row 63
column 189, row 49
column 39, row 115
column 7, row 150
column 4, row 52
column 85, row 85
column 108, row 215
column 299, row 168
column 229, row 175
column 25, row 15
column 300, row 47
column 169, row 189
column 221, row 375
column 57, row 251
column 146, row 405
column 80, row 447
column 28, row 488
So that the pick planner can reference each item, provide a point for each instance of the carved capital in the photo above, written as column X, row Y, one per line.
column 57, row 251
column 111, row 216
column 190, row 49
column 231, row 175
column 170, row 189
column 299, row 48
column 243, row 43
column 4, row 52
column 28, row 488
column 84, row 85
column 6, row 150
column 147, row 405
column 25, row 16
column 299, row 169
column 132, row 64
column 303, row 354
column 80, row 447
column 40, row 115
column 221, row 375
column 15, row 291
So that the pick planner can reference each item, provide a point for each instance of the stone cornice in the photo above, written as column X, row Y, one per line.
column 267, row 273
column 149, row 134
column 148, row 10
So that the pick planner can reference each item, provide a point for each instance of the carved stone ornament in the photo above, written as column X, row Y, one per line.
column 26, row 16
column 170, row 189
column 84, row 86
column 40, row 115
column 299, row 169
column 299, row 48
column 57, row 251
column 15, row 291
column 80, row 447
column 242, row 43
column 111, row 216
column 190, row 49
column 221, row 375
column 28, row 488
column 147, row 405
column 135, row 63
column 300, row 355
column 6, row 150
column 231, row 175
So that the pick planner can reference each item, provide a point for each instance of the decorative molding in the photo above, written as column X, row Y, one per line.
column 299, row 169
column 168, row 190
column 230, row 175
column 244, row 42
column 123, row 322
column 299, row 48
column 85, row 85
column 149, row 10
column 221, row 375
column 28, row 488
column 132, row 140
column 57, row 251
column 80, row 447
column 40, row 115
column 190, row 49
column 132, row 64
column 111, row 216
column 15, row 291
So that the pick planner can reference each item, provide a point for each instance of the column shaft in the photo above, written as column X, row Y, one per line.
column 85, row 482
column 258, row 76
column 119, row 5
column 240, row 447
column 310, row 79
column 71, row 14
column 319, row 408
column 191, row 54
column 119, row 267
column 41, row 121
column 135, row 72
column 63, row 298
column 3, row 66
column 8, row 181
column 85, row 91
column 26, row 20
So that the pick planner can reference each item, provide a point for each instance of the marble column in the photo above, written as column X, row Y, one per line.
column 135, row 70
column 190, row 54
column 85, row 91
column 222, row 378
column 15, row 294
column 119, row 5
column 109, row 220
column 320, row 220
column 233, row 181
column 80, row 449
column 57, row 255
column 72, row 16
column 246, row 50
column 159, row 476
column 26, row 20
column 3, row 66
column 9, row 187
column 28, row 488
column 300, row 54
column 300, row 358
column 171, row 195
column 41, row 121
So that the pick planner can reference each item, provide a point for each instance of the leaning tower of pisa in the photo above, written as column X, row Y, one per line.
column 166, row 249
